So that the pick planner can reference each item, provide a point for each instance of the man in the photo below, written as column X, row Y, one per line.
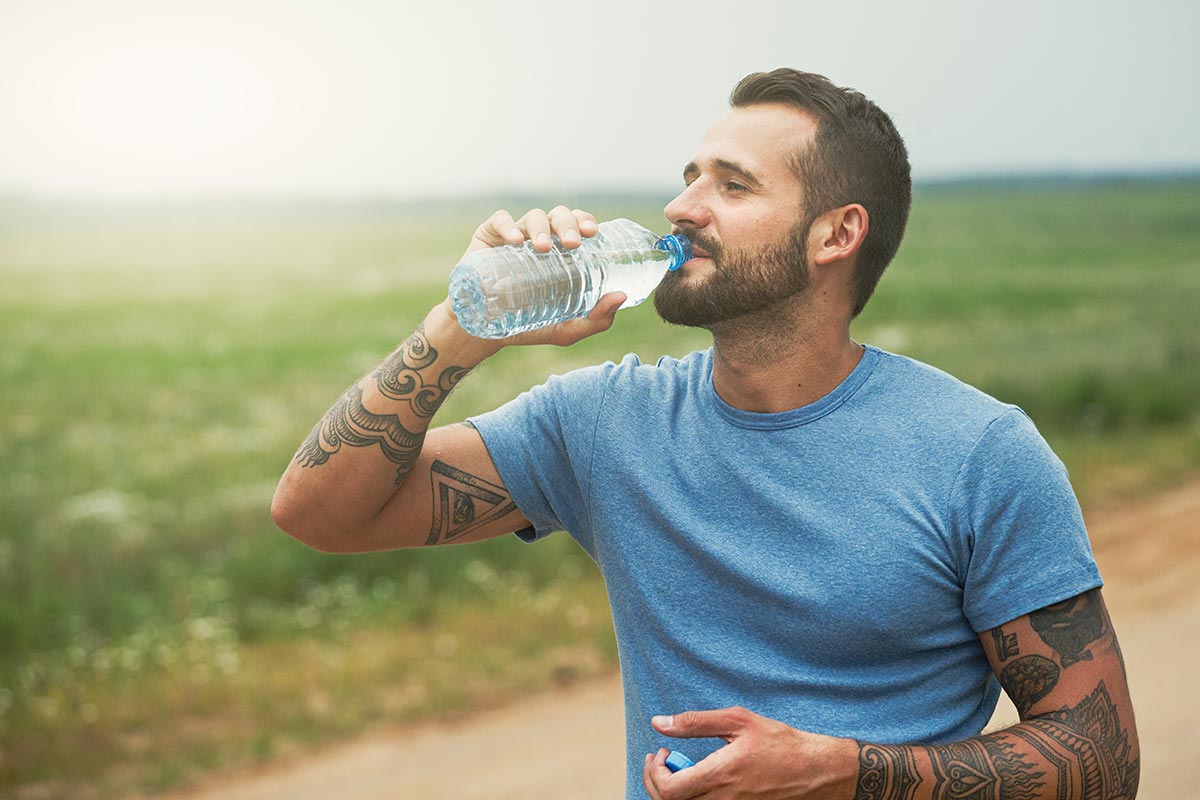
column 823, row 559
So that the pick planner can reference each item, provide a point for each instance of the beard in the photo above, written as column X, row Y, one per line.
column 742, row 282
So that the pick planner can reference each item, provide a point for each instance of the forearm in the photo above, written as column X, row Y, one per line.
column 358, row 455
column 1079, row 753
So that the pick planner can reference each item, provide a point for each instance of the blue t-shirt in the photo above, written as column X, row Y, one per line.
column 830, row 567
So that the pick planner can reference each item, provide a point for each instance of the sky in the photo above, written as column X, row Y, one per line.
column 349, row 98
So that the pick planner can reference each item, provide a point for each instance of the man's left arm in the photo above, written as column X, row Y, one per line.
column 1077, row 740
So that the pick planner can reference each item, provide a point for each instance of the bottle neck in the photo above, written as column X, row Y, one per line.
column 679, row 248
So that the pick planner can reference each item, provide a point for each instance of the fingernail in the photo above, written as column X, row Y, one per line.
column 663, row 721
column 544, row 238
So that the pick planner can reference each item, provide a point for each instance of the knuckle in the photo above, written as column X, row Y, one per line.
column 559, row 210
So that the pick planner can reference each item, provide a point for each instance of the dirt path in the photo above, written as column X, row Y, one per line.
column 570, row 744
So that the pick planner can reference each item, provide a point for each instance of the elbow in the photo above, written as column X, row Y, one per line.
column 297, row 522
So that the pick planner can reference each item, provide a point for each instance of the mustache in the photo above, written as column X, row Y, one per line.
column 708, row 245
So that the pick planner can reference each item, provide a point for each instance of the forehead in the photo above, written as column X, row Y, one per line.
column 760, row 137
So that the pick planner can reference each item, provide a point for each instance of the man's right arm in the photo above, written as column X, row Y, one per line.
column 372, row 476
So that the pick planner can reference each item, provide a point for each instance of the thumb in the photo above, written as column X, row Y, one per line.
column 724, row 723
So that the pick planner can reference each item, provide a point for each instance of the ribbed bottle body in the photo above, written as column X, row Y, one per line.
column 508, row 290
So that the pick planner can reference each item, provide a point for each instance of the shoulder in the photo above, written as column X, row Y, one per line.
column 936, row 400
column 632, row 372
column 591, row 384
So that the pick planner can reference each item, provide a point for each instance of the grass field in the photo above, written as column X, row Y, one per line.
column 159, row 367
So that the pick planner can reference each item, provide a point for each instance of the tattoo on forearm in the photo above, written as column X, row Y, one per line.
column 462, row 502
column 886, row 773
column 1087, row 747
column 350, row 423
column 982, row 769
column 1070, row 626
column 1028, row 680
column 399, row 377
column 1080, row 751
column 1006, row 644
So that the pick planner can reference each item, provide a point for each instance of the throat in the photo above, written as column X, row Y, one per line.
column 770, row 369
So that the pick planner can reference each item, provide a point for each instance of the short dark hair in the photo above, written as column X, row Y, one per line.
column 857, row 156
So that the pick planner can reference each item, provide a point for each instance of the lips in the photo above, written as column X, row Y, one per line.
column 698, row 250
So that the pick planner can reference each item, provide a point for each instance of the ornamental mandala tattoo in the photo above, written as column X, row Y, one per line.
column 399, row 377
column 1086, row 747
column 886, row 773
column 349, row 422
column 982, row 769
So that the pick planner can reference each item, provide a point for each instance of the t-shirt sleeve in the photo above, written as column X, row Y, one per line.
column 1025, row 542
column 541, row 443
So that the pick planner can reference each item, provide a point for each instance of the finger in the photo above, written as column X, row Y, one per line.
column 656, row 774
column 565, row 226
column 587, row 222
column 606, row 308
column 682, row 785
column 648, row 781
column 723, row 722
column 598, row 320
column 499, row 229
column 536, row 227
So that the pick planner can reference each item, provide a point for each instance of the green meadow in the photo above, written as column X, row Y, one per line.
column 160, row 365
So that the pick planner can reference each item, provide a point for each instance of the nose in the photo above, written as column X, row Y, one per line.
column 689, row 209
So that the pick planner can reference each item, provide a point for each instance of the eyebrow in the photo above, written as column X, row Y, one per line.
column 727, row 166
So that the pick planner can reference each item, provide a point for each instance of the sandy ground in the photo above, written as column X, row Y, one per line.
column 569, row 744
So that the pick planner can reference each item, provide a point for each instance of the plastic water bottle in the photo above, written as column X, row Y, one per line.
column 511, row 289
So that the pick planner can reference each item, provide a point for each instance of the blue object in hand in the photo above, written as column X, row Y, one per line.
column 677, row 761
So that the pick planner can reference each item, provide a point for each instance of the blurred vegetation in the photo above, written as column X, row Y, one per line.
column 161, row 365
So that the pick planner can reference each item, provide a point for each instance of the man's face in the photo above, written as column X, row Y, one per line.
column 741, row 208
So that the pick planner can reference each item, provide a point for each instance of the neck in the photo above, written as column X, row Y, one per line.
column 783, row 357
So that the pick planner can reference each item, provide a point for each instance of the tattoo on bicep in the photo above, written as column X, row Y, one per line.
column 1006, row 644
column 463, row 502
column 1027, row 680
column 350, row 423
column 1069, row 627
column 399, row 376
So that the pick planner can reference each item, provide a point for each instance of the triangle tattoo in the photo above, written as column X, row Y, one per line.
column 462, row 502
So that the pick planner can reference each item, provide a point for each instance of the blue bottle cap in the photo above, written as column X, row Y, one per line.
column 680, row 248
column 677, row 761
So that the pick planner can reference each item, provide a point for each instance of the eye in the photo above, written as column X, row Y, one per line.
column 733, row 186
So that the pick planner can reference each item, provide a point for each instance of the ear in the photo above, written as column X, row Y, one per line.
column 838, row 234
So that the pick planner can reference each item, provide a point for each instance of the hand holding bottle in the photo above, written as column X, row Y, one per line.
column 536, row 226
column 571, row 227
column 547, row 269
